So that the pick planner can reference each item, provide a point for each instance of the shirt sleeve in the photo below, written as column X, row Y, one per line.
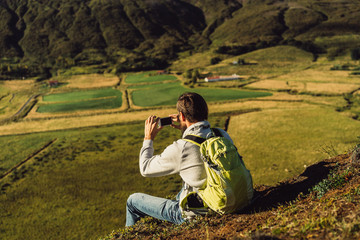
column 166, row 163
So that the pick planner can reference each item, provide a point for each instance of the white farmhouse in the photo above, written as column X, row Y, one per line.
column 222, row 78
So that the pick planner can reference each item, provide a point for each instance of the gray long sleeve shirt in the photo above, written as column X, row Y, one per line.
column 180, row 157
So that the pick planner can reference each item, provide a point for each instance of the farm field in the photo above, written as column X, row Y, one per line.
column 76, row 188
column 107, row 103
column 89, row 81
column 107, row 98
column 147, row 77
column 167, row 94
column 311, row 87
column 13, row 95
column 80, row 95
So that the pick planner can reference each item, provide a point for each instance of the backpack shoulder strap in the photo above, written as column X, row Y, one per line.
column 216, row 132
column 194, row 139
column 199, row 140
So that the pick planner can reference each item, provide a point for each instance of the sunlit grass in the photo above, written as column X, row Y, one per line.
column 304, row 86
column 13, row 95
column 91, row 81
column 78, row 187
column 14, row 149
column 280, row 143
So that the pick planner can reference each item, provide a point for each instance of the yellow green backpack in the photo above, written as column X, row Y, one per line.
column 229, row 184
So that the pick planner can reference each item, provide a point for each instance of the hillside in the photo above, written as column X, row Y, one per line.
column 321, row 203
column 38, row 37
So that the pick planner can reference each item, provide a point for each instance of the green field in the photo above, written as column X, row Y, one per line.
column 107, row 103
column 81, row 95
column 147, row 77
column 82, row 100
column 167, row 94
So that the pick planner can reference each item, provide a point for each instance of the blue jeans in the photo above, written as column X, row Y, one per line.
column 140, row 205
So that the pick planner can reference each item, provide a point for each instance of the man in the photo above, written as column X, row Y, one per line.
column 180, row 157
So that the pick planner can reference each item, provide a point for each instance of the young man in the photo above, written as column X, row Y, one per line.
column 181, row 157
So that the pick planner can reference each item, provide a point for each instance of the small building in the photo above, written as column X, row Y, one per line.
column 222, row 78
column 53, row 83
column 161, row 72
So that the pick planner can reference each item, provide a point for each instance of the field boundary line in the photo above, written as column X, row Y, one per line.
column 24, row 106
column 27, row 159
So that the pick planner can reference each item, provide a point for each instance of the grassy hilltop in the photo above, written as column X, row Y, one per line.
column 297, row 208
column 78, row 79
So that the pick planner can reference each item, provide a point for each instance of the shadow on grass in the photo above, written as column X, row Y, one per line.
column 266, row 197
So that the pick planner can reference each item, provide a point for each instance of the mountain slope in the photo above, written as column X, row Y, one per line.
column 151, row 33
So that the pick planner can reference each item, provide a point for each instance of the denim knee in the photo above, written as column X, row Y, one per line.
column 133, row 197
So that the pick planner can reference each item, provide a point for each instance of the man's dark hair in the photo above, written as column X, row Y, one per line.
column 193, row 106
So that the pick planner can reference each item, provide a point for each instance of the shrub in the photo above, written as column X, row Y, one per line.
column 334, row 180
column 355, row 54
column 215, row 60
column 341, row 67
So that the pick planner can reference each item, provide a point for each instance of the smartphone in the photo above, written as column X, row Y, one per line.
column 165, row 121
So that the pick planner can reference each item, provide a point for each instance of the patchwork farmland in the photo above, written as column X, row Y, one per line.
column 281, row 120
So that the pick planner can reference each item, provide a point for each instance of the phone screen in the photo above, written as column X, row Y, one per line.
column 165, row 121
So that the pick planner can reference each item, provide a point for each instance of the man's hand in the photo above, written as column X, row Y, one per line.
column 151, row 128
column 175, row 118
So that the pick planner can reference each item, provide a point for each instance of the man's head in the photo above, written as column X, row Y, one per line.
column 193, row 107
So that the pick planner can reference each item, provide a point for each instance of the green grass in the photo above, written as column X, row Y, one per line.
column 107, row 98
column 167, row 94
column 279, row 143
column 93, row 104
column 81, row 95
column 77, row 189
column 147, row 77
column 334, row 180
column 13, row 153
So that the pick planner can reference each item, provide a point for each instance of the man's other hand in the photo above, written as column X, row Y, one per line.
column 175, row 119
column 151, row 127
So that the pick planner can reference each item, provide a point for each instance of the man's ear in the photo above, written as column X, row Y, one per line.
column 182, row 117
